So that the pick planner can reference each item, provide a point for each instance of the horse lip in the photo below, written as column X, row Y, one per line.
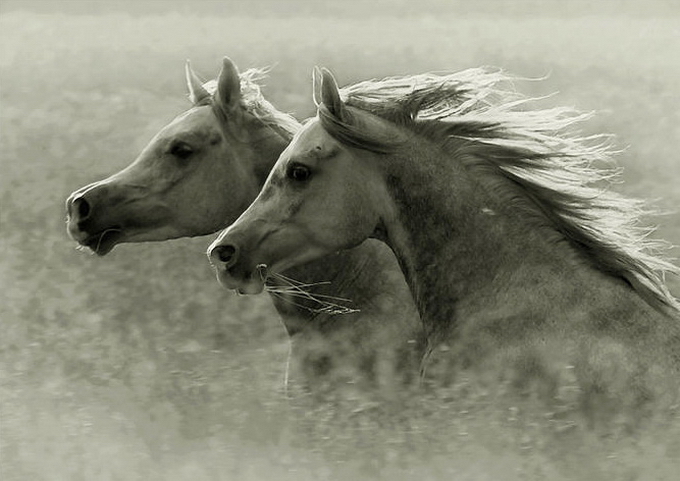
column 104, row 241
column 254, row 284
column 250, row 289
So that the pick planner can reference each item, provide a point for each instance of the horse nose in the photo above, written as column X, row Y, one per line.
column 79, row 208
column 225, row 254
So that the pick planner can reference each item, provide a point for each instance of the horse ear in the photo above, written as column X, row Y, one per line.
column 228, row 85
column 330, row 94
column 197, row 93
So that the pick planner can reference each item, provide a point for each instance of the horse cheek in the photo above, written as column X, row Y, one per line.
column 358, row 221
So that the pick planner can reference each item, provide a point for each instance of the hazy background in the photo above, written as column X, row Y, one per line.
column 139, row 366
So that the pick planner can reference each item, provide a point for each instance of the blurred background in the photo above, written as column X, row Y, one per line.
column 139, row 366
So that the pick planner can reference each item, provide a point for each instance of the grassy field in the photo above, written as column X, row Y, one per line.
column 139, row 366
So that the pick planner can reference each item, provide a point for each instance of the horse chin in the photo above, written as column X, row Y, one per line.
column 251, row 288
column 253, row 284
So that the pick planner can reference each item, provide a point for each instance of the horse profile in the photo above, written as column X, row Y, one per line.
column 198, row 174
column 515, row 254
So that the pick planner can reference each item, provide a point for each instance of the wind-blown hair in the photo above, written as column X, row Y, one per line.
column 254, row 102
column 555, row 173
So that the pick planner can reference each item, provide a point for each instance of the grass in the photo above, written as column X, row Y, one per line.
column 139, row 366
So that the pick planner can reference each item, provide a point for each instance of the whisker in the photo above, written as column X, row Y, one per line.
column 297, row 284
column 296, row 289
column 332, row 298
column 322, row 283
column 289, row 301
column 301, row 293
column 294, row 282
column 327, row 309
column 281, row 276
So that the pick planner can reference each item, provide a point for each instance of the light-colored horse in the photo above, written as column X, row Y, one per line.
column 198, row 174
column 514, row 255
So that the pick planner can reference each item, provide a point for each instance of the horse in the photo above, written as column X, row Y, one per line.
column 198, row 174
column 520, row 259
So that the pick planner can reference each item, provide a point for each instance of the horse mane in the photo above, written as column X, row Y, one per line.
column 481, row 119
column 254, row 102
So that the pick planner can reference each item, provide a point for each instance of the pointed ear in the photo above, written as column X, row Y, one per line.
column 316, row 85
column 330, row 95
column 197, row 93
column 228, row 85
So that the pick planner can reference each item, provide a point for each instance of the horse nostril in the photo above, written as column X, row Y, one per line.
column 227, row 254
column 82, row 208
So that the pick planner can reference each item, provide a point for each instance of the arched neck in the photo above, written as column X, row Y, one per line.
column 465, row 255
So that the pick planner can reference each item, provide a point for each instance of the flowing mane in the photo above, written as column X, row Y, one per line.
column 255, row 103
column 532, row 157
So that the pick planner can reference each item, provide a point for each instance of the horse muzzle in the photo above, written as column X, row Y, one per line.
column 83, row 226
column 233, row 273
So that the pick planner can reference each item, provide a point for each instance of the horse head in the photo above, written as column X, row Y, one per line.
column 176, row 186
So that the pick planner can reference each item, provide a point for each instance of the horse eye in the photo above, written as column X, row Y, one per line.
column 181, row 150
column 299, row 172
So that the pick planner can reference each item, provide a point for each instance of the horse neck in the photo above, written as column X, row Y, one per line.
column 466, row 255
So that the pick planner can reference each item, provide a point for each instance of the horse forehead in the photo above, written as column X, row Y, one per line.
column 198, row 121
column 313, row 139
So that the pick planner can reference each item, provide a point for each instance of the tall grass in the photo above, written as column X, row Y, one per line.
column 139, row 366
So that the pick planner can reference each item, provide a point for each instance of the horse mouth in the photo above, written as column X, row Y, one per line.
column 103, row 242
column 250, row 283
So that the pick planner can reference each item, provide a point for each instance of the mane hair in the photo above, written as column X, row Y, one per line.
column 254, row 102
column 479, row 117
